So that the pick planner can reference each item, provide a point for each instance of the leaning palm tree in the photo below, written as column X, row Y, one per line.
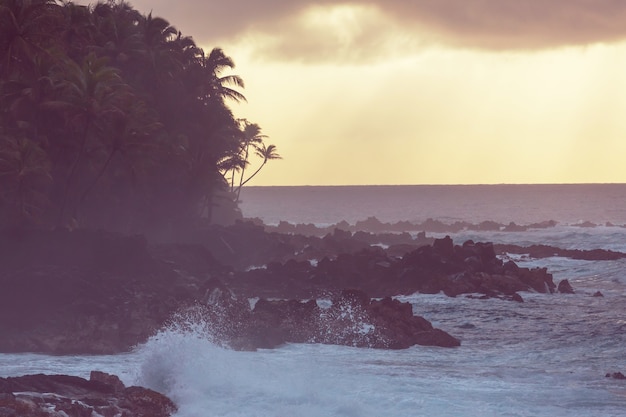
column 250, row 136
column 267, row 153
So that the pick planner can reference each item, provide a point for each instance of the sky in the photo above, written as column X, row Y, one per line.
column 425, row 91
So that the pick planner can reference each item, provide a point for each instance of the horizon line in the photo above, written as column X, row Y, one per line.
column 436, row 185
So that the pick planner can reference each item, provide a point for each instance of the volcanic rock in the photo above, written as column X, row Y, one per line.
column 565, row 287
column 63, row 395
column 353, row 319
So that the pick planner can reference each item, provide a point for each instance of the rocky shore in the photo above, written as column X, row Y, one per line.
column 62, row 396
column 96, row 292
column 92, row 292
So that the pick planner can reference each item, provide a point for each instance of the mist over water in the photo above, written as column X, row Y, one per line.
column 545, row 357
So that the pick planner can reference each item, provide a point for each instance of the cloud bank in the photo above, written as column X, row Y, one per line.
column 298, row 29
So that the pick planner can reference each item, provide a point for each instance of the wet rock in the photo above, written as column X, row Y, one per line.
column 63, row 396
column 107, row 379
column 487, row 225
column 565, row 287
column 119, row 290
column 353, row 319
column 598, row 294
column 546, row 251
column 512, row 227
column 616, row 375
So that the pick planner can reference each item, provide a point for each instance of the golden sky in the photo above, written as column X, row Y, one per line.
column 425, row 91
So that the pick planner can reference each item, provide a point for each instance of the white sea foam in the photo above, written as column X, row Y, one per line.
column 544, row 357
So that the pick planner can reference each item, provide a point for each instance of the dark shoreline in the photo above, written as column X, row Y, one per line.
column 98, row 292
column 94, row 292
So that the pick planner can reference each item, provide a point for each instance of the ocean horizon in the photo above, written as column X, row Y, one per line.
column 519, row 203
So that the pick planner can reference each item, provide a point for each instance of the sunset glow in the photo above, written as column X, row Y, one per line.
column 367, row 94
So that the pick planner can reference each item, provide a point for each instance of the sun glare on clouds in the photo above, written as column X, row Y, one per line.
column 432, row 92
column 445, row 116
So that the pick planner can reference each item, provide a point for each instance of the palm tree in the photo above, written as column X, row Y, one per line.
column 251, row 136
column 267, row 153
column 126, row 111
column 214, row 86
column 24, row 179
column 157, row 50
column 26, row 29
column 77, row 31
column 23, row 100
column 235, row 161
column 90, row 93
column 128, row 135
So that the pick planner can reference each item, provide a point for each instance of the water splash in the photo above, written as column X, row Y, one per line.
column 205, row 379
column 348, row 324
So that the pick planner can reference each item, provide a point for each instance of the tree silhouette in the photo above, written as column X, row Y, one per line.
column 24, row 180
column 114, row 119
column 90, row 93
column 26, row 27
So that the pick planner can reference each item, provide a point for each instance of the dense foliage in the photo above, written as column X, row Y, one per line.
column 113, row 119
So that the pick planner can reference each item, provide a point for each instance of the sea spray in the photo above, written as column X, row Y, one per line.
column 347, row 323
column 204, row 378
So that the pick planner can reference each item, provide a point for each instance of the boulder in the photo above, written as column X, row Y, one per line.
column 565, row 287
column 64, row 395
column 353, row 319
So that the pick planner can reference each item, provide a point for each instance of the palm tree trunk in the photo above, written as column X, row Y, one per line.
column 248, row 179
column 243, row 169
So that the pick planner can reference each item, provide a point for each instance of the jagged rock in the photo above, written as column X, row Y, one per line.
column 63, row 396
column 352, row 319
column 102, row 293
column 565, row 287
column 545, row 251
column 517, row 297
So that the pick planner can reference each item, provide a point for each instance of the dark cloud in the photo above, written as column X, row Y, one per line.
column 481, row 24
column 515, row 24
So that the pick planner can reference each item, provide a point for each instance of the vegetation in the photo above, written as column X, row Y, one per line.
column 113, row 119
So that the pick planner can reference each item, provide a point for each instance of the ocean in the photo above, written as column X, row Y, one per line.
column 545, row 357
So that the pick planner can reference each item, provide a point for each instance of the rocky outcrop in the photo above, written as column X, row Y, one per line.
column 374, row 225
column 565, row 287
column 119, row 291
column 546, row 251
column 440, row 267
column 352, row 319
column 63, row 395
column 94, row 292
